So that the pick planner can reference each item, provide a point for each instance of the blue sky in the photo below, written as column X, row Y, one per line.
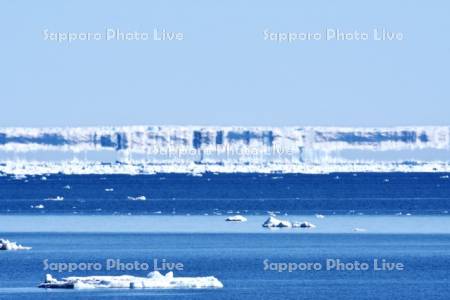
column 224, row 72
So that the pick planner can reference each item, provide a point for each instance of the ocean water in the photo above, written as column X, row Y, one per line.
column 404, row 216
column 369, row 193
column 238, row 261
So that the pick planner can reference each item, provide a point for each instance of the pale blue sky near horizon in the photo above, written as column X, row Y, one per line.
column 224, row 72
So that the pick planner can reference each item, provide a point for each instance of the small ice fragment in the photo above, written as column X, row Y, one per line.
column 109, row 190
column 236, row 218
column 356, row 229
column 319, row 216
column 273, row 222
column 57, row 198
column 304, row 224
column 67, row 187
column 138, row 198
column 11, row 246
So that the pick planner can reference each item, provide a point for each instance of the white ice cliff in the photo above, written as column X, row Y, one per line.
column 196, row 149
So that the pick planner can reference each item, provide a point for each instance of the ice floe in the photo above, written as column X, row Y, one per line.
column 304, row 224
column 155, row 280
column 137, row 198
column 8, row 245
column 57, row 198
column 236, row 218
column 273, row 222
column 319, row 216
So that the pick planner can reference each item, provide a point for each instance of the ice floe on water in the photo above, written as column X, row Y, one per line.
column 155, row 280
column 273, row 222
column 38, row 206
column 304, row 224
column 57, row 198
column 137, row 198
column 319, row 216
column 109, row 190
column 236, row 218
column 357, row 229
column 13, row 246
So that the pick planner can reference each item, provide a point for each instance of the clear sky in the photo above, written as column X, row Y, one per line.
column 224, row 72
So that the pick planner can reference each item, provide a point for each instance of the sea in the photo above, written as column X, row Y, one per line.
column 377, row 235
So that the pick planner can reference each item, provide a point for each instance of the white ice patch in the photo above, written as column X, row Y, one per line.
column 155, row 280
column 57, row 198
column 137, row 198
column 236, row 218
column 12, row 246
column 273, row 222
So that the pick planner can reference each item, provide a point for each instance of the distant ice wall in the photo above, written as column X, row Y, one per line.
column 178, row 146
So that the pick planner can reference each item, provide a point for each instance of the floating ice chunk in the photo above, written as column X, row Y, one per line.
column 109, row 190
column 39, row 206
column 8, row 245
column 138, row 198
column 273, row 222
column 155, row 280
column 319, row 216
column 57, row 198
column 444, row 177
column 304, row 224
column 67, row 187
column 236, row 218
column 357, row 229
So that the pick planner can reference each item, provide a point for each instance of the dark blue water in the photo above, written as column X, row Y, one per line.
column 238, row 261
column 370, row 193
column 236, row 253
